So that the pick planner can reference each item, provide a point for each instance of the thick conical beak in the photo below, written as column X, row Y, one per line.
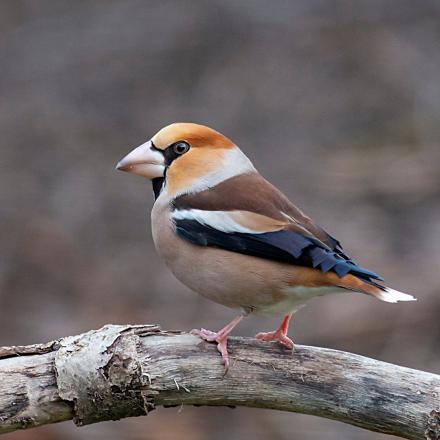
column 143, row 161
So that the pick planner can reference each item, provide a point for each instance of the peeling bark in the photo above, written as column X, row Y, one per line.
column 124, row 371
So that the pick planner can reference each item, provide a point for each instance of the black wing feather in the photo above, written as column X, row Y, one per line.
column 285, row 246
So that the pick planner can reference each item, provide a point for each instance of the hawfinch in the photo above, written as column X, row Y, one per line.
column 230, row 235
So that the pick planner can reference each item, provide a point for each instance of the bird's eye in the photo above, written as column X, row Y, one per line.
column 180, row 147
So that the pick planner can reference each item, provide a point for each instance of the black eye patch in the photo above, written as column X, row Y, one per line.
column 173, row 151
column 170, row 153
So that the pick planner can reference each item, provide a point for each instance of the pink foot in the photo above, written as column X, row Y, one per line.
column 278, row 337
column 221, row 337
column 222, row 342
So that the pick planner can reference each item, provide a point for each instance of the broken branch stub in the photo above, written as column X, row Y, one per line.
column 100, row 372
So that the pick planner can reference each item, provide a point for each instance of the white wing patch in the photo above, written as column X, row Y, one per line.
column 220, row 220
column 230, row 221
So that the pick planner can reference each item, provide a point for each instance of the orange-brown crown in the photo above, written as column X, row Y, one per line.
column 196, row 135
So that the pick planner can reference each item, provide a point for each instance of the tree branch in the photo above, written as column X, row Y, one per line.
column 123, row 371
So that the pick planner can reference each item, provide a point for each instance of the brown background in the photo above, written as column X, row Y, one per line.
column 336, row 102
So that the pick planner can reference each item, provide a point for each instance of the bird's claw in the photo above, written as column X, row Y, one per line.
column 204, row 334
column 210, row 336
column 276, row 336
column 221, row 337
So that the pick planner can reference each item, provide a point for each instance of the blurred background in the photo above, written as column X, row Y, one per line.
column 336, row 102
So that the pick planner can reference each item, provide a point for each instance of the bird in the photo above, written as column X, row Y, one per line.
column 230, row 235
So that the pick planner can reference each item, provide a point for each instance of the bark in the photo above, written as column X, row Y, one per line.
column 124, row 371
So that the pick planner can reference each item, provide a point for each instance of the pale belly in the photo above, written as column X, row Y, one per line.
column 231, row 279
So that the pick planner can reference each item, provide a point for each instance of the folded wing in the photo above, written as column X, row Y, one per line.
column 264, row 237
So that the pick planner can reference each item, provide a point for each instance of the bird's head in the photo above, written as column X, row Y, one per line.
column 186, row 157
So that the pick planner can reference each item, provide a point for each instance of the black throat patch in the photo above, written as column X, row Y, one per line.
column 158, row 183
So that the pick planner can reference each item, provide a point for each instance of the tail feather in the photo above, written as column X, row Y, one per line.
column 372, row 288
column 393, row 296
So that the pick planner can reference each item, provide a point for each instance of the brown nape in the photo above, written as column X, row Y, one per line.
column 196, row 135
column 251, row 192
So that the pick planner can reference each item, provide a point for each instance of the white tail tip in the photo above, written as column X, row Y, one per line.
column 393, row 296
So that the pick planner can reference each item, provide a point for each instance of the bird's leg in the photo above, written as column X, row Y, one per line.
column 279, row 335
column 221, row 337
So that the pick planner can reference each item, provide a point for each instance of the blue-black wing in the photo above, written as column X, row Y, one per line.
column 284, row 245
